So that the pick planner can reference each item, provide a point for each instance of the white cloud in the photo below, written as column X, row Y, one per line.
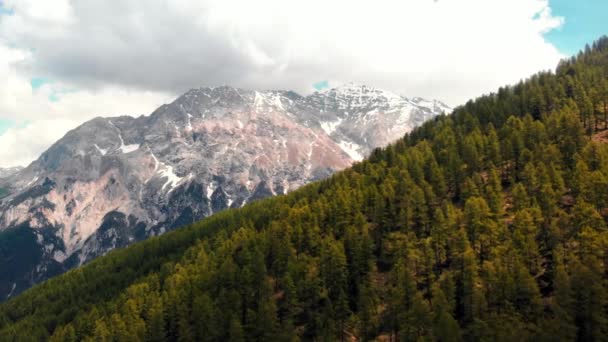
column 25, row 143
column 128, row 56
column 39, row 122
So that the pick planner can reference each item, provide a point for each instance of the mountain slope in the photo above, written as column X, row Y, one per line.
column 114, row 181
column 9, row 171
column 488, row 224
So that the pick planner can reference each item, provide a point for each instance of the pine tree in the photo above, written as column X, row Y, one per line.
column 266, row 323
column 64, row 334
column 525, row 232
column 102, row 333
column 481, row 228
column 472, row 300
column 590, row 300
column 527, row 295
column 562, row 323
column 155, row 322
column 235, row 332
column 417, row 321
column 367, row 303
column 119, row 329
column 445, row 327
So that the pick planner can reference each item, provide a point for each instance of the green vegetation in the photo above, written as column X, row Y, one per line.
column 488, row 224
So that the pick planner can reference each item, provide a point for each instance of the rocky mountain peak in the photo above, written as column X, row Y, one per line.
column 113, row 181
column 9, row 171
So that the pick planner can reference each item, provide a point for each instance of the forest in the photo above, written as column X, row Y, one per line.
column 488, row 224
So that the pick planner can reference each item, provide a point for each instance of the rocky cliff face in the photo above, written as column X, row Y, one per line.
column 114, row 181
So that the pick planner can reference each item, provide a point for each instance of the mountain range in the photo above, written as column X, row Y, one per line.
column 9, row 171
column 114, row 181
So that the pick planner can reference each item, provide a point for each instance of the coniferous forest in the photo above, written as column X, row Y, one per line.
column 489, row 224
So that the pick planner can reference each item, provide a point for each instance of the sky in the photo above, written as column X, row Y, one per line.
column 584, row 21
column 63, row 62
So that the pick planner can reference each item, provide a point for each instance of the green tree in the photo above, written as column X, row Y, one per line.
column 235, row 332
column 445, row 327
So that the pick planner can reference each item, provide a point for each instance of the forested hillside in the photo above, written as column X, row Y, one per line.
column 487, row 224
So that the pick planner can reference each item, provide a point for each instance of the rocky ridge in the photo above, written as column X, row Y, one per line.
column 114, row 181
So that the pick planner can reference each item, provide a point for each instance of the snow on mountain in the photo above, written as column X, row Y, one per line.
column 111, row 182
column 362, row 118
column 9, row 171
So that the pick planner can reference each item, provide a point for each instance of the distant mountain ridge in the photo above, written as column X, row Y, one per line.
column 9, row 171
column 113, row 181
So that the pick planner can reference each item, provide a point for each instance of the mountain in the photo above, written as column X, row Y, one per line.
column 114, row 181
column 5, row 173
column 9, row 171
column 486, row 224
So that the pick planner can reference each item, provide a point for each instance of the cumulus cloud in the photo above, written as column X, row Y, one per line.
column 127, row 56
column 26, row 142
column 41, row 115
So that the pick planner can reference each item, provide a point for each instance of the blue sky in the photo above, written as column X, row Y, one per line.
column 4, row 11
column 38, row 82
column 321, row 85
column 5, row 124
column 585, row 21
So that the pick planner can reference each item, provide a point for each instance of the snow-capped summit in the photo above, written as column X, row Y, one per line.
column 113, row 181
column 361, row 118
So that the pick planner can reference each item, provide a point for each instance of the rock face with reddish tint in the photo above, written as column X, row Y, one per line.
column 114, row 181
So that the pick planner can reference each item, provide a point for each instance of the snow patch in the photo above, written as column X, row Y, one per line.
column 258, row 102
column 12, row 290
column 156, row 162
column 265, row 100
column 127, row 148
column 351, row 149
column 276, row 101
column 189, row 125
column 309, row 156
column 210, row 189
column 172, row 179
column 32, row 181
column 285, row 187
column 101, row 150
column 330, row 126
column 310, row 150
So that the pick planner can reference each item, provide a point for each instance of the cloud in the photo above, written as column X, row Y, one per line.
column 41, row 111
column 27, row 141
column 116, row 58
